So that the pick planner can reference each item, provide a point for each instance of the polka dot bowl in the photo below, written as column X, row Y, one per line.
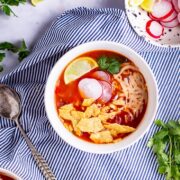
column 138, row 19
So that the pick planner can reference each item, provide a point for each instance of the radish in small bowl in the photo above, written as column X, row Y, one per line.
column 158, row 21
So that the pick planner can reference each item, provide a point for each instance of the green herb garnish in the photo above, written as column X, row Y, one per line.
column 166, row 146
column 8, row 46
column 5, row 5
column 22, row 51
column 109, row 64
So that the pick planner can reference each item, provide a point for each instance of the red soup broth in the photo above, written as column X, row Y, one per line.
column 68, row 93
column 4, row 176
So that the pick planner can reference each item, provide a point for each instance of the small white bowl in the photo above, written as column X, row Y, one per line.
column 138, row 19
column 87, row 146
column 10, row 174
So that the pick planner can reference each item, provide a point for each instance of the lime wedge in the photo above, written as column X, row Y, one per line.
column 35, row 2
column 147, row 5
column 135, row 2
column 78, row 68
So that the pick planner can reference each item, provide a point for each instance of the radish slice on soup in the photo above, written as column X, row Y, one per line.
column 101, row 75
column 106, row 93
column 90, row 88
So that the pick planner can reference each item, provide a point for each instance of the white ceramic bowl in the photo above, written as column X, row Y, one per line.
column 10, row 174
column 138, row 19
column 77, row 142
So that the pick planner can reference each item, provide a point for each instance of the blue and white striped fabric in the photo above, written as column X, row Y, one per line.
column 72, row 28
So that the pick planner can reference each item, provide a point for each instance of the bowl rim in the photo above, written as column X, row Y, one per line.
column 9, row 173
column 78, row 143
column 145, row 37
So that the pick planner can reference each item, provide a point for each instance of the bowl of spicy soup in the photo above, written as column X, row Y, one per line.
column 101, row 97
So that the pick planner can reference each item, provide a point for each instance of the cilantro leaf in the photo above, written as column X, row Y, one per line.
column 103, row 62
column 5, row 5
column 23, row 51
column 6, row 9
column 110, row 64
column 2, row 56
column 1, row 68
column 114, row 67
column 8, row 46
column 166, row 145
column 160, row 123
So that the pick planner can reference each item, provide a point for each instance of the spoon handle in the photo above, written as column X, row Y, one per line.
column 41, row 163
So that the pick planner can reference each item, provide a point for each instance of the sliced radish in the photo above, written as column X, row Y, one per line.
column 154, row 29
column 107, row 92
column 162, row 10
column 153, row 18
column 171, row 24
column 101, row 75
column 179, row 17
column 90, row 88
column 179, row 4
column 175, row 5
column 171, row 17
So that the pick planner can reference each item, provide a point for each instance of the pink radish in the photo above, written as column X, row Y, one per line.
column 171, row 24
column 175, row 5
column 170, row 18
column 90, row 88
column 153, row 18
column 179, row 17
column 101, row 75
column 154, row 29
column 162, row 10
column 107, row 92
column 179, row 4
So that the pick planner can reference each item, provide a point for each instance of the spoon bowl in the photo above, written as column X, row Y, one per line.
column 10, row 108
column 10, row 103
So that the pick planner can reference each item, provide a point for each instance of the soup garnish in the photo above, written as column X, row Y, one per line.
column 104, row 99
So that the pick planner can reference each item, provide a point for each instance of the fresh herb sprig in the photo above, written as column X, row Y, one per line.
column 22, row 51
column 5, row 5
column 109, row 64
column 166, row 145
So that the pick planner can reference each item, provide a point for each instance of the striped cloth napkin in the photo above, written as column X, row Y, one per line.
column 72, row 28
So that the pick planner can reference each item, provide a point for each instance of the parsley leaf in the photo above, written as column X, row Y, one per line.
column 166, row 145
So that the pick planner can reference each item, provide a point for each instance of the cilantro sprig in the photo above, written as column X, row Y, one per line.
column 5, row 5
column 109, row 64
column 22, row 51
column 166, row 145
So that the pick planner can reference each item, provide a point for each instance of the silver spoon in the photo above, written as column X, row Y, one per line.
column 10, row 107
